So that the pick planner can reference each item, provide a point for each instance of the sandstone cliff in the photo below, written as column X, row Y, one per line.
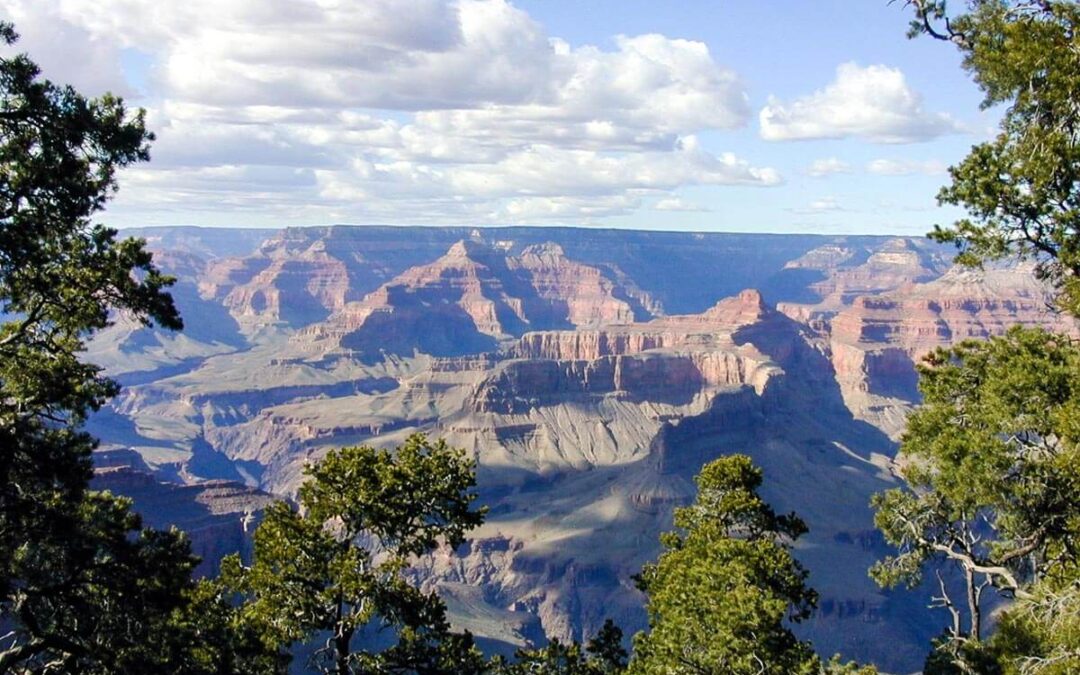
column 876, row 341
column 475, row 295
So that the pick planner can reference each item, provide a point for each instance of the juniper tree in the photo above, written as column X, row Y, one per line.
column 334, row 567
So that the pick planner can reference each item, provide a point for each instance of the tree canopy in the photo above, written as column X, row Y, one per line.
column 83, row 587
column 990, row 458
column 604, row 654
column 335, row 565
column 992, row 471
column 723, row 590
column 1020, row 189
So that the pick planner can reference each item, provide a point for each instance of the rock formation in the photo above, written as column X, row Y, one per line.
column 473, row 296
column 220, row 517
column 876, row 341
column 590, row 372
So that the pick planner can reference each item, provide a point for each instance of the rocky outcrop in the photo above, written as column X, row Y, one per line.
column 520, row 385
column 472, row 297
column 848, row 272
column 220, row 517
column 670, row 358
column 962, row 304
column 575, row 293
column 281, row 285
column 876, row 341
column 712, row 328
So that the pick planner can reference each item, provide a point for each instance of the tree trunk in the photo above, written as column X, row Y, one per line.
column 341, row 646
column 973, row 605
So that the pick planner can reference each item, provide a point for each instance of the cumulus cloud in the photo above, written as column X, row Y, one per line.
column 676, row 204
column 906, row 167
column 426, row 110
column 69, row 53
column 550, row 170
column 518, row 184
column 873, row 103
column 828, row 166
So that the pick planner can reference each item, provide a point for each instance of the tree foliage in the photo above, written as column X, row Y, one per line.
column 1021, row 189
column 993, row 472
column 94, row 600
column 336, row 566
column 1040, row 635
column 602, row 655
column 723, row 590
column 83, row 587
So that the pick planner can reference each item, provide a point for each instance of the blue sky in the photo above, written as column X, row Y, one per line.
column 768, row 116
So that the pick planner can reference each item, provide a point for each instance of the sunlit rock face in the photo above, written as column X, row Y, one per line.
column 590, row 372
column 877, row 339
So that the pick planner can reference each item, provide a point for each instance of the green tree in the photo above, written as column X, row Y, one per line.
column 92, row 599
column 606, row 649
column 216, row 638
column 726, row 585
column 602, row 655
column 1021, row 189
column 992, row 472
column 1040, row 634
column 336, row 566
column 83, row 588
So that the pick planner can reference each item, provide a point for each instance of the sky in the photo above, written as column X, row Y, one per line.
column 706, row 115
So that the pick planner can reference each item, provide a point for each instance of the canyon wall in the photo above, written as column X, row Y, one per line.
column 590, row 372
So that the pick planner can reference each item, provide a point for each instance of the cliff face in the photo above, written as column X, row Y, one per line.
column 876, row 341
column 960, row 305
column 847, row 272
column 577, row 293
column 666, row 358
column 220, row 517
column 713, row 327
column 551, row 355
column 475, row 295
column 285, row 284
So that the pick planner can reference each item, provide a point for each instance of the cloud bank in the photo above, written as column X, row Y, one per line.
column 403, row 110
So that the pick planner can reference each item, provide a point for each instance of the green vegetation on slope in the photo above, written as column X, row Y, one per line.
column 992, row 465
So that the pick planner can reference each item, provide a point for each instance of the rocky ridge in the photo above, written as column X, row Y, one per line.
column 220, row 517
column 474, row 295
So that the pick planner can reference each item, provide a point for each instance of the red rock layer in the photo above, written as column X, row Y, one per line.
column 712, row 327
column 962, row 304
column 478, row 292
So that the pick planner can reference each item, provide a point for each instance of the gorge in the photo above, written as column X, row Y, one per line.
column 590, row 372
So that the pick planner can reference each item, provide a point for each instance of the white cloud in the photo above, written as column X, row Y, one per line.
column 534, row 209
column 366, row 54
column 517, row 186
column 819, row 206
column 68, row 53
column 402, row 109
column 828, row 166
column 906, row 167
column 550, row 170
column 873, row 103
column 676, row 204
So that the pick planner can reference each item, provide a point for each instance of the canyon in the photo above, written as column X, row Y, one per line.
column 591, row 373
